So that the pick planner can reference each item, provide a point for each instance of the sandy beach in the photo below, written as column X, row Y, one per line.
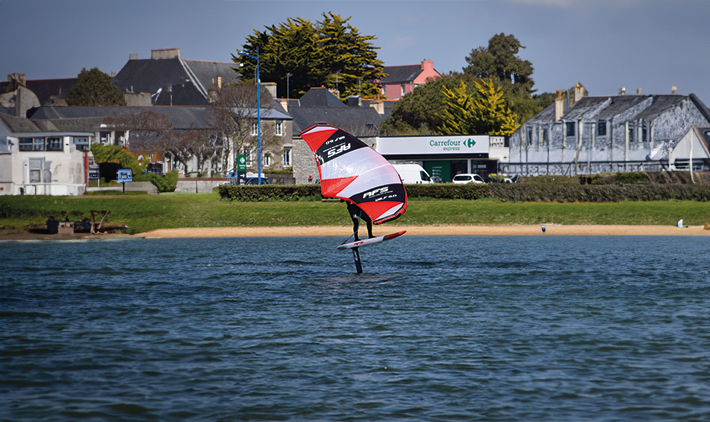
column 511, row 230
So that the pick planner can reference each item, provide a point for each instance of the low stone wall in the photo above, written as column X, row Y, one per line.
column 142, row 186
column 197, row 185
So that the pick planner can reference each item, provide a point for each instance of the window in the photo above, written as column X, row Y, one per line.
column 82, row 144
column 25, row 144
column 279, row 128
column 55, row 144
column 254, row 131
column 543, row 138
column 601, row 128
column 570, row 128
column 37, row 144
column 287, row 157
column 529, row 135
column 36, row 169
column 268, row 160
column 403, row 90
column 632, row 133
column 104, row 136
column 250, row 159
column 644, row 134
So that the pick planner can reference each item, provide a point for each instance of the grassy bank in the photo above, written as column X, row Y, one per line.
column 145, row 213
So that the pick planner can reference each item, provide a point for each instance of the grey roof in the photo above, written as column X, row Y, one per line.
column 25, row 125
column 608, row 107
column 406, row 73
column 359, row 121
column 47, row 90
column 319, row 97
column 182, row 117
column 189, row 80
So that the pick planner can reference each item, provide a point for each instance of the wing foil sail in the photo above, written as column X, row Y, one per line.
column 349, row 169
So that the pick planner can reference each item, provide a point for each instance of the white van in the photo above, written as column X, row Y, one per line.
column 412, row 173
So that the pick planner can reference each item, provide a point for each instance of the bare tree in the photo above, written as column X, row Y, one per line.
column 234, row 114
column 152, row 132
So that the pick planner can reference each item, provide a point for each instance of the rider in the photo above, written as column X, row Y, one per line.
column 356, row 214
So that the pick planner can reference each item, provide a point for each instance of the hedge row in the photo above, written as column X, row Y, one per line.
column 268, row 192
column 599, row 193
column 501, row 191
column 449, row 191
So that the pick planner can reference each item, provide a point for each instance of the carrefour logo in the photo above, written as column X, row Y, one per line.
column 452, row 145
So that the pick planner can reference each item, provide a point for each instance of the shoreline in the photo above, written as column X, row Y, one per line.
column 509, row 230
column 339, row 231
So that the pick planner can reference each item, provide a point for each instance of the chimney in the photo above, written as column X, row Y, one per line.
column 622, row 91
column 379, row 106
column 219, row 82
column 133, row 57
column 638, row 91
column 578, row 92
column 270, row 87
column 284, row 103
column 427, row 65
column 354, row 101
column 559, row 105
column 674, row 90
column 166, row 53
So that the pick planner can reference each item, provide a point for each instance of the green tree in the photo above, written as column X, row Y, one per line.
column 115, row 154
column 499, row 61
column 481, row 112
column 330, row 52
column 95, row 88
column 419, row 111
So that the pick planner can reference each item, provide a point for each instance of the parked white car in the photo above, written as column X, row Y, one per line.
column 467, row 178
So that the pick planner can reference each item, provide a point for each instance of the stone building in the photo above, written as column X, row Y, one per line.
column 608, row 134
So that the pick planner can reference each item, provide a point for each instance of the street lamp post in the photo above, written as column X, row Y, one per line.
column 288, row 91
column 258, row 108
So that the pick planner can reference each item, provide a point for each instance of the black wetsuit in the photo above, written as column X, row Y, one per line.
column 356, row 214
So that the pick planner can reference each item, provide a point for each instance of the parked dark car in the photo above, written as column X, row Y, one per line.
column 255, row 181
column 437, row 179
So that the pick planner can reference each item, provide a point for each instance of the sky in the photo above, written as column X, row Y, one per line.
column 603, row 44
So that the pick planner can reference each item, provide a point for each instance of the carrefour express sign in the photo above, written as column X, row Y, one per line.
column 463, row 144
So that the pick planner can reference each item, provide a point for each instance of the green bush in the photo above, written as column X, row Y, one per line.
column 268, row 192
column 631, row 178
column 115, row 154
column 548, row 180
column 599, row 193
column 166, row 183
column 448, row 191
column 501, row 191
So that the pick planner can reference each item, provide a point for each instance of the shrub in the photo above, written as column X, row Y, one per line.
column 268, row 192
column 166, row 183
column 448, row 191
column 631, row 178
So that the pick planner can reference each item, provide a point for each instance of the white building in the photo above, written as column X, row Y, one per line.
column 46, row 157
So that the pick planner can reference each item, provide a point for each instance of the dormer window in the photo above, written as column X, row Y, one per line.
column 569, row 128
column 601, row 128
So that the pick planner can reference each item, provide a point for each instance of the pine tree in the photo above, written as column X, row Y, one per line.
column 331, row 53
column 95, row 88
column 481, row 112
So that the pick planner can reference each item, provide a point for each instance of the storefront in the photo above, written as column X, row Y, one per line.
column 442, row 156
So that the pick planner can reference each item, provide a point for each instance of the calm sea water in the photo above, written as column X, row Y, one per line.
column 436, row 329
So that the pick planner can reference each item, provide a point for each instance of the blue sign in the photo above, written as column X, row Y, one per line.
column 125, row 175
